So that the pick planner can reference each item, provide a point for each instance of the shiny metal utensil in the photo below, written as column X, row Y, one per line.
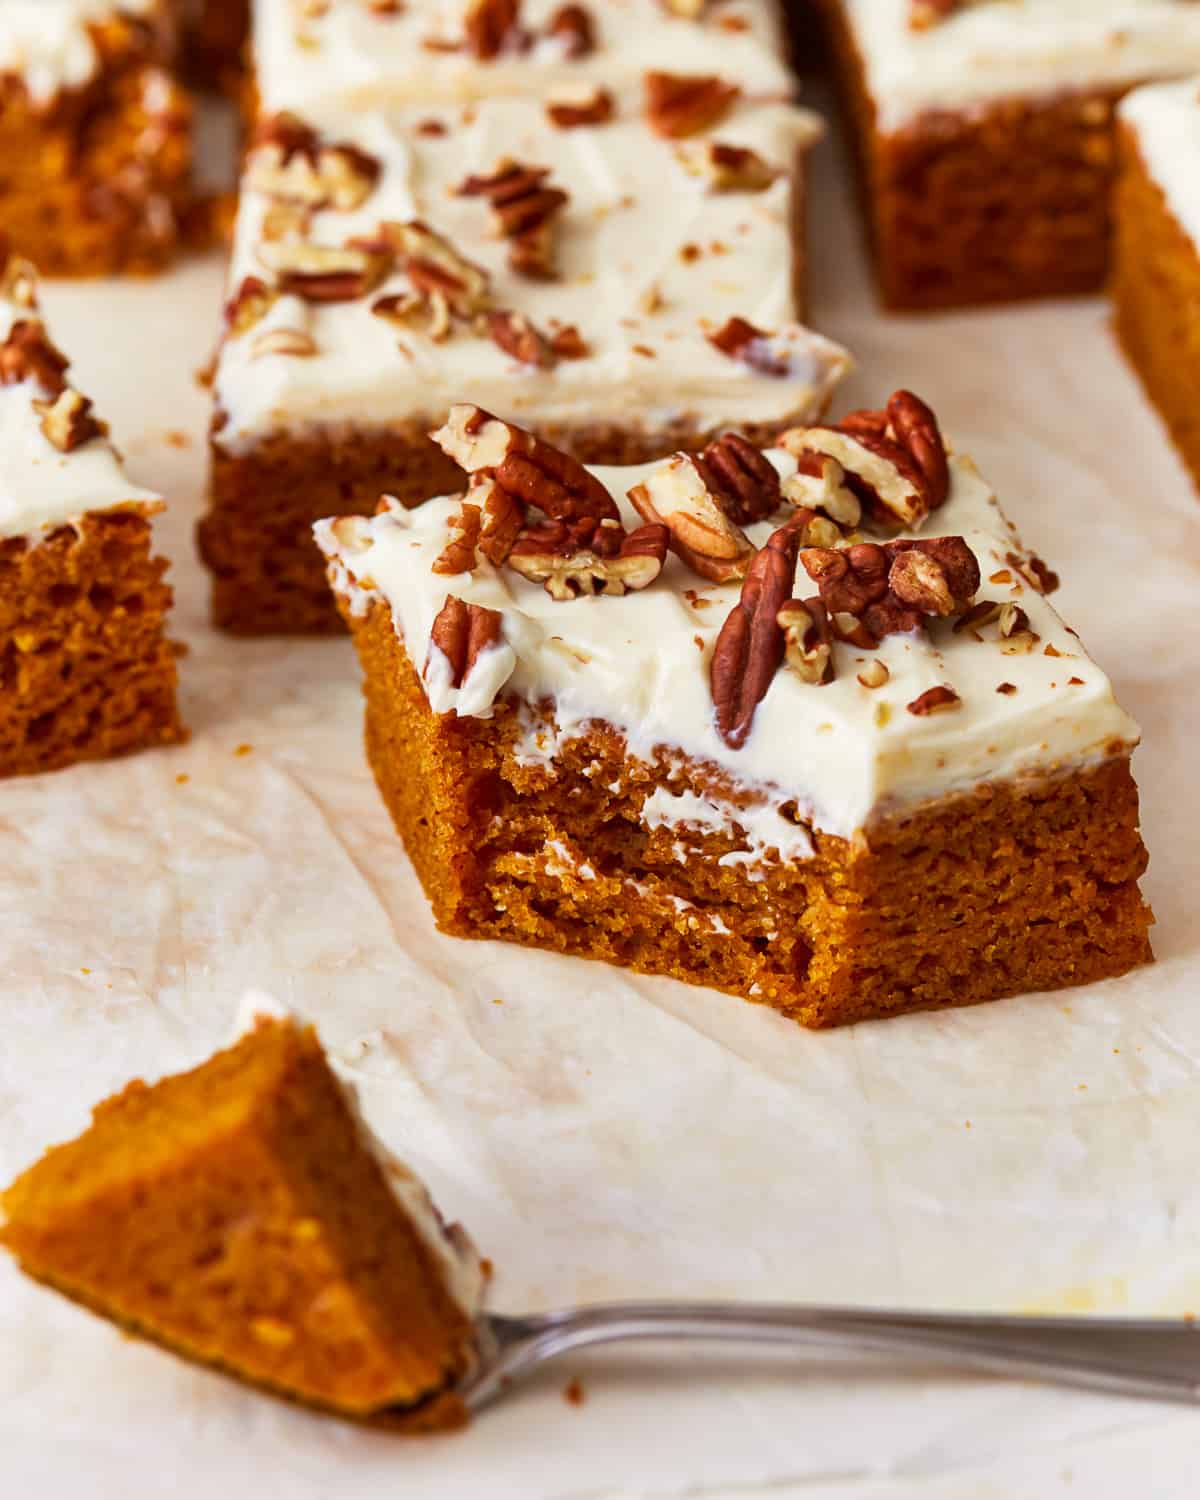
column 1157, row 1358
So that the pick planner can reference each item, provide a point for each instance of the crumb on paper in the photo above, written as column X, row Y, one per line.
column 497, row 1001
column 244, row 750
column 574, row 1393
column 182, row 779
column 85, row 971
column 487, row 1268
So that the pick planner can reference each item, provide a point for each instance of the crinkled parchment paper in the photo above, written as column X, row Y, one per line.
column 605, row 1136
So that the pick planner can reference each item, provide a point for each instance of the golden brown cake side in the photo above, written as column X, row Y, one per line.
column 1028, row 885
column 87, row 669
column 235, row 1215
column 97, row 179
column 1156, row 293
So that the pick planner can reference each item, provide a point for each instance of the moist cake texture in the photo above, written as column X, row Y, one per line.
column 85, row 664
column 1156, row 270
column 802, row 728
column 94, row 135
column 240, row 1215
column 624, row 291
column 985, row 135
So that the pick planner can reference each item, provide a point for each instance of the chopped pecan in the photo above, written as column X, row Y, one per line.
column 808, row 639
column 458, row 556
column 681, row 104
column 294, row 342
column 324, row 273
column 728, row 169
column 589, row 557
column 568, row 343
column 874, row 674
column 290, row 161
column 894, row 460
column 516, row 335
column 18, row 279
column 745, row 483
column 677, row 495
column 462, row 632
column 751, row 644
column 572, row 29
column 251, row 302
column 434, row 266
column 1033, row 570
column 741, row 340
column 502, row 518
column 67, row 421
column 573, row 105
column 531, row 470
column 819, row 484
column 28, row 354
column 523, row 211
column 935, row 700
column 427, row 312
column 492, row 27
column 888, row 589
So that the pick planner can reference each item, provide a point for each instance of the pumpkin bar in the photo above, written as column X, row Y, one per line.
column 86, row 667
column 241, row 1215
column 986, row 137
column 1156, row 271
column 95, row 136
column 624, row 288
column 353, row 55
column 799, row 725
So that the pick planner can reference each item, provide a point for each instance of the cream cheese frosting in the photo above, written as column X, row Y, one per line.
column 1166, row 120
column 844, row 753
column 49, row 45
column 353, row 56
column 1001, row 49
column 41, row 487
column 646, row 258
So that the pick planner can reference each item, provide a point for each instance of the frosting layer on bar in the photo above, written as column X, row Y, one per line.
column 845, row 753
column 1166, row 119
column 645, row 257
column 354, row 56
column 49, row 45
column 1031, row 49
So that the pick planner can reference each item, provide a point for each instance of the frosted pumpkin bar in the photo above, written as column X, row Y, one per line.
column 95, row 136
column 623, row 291
column 242, row 1215
column 86, row 668
column 800, row 725
column 353, row 55
column 986, row 135
column 1156, row 259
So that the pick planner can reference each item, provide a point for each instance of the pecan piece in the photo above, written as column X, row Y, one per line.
column 572, row 29
column 573, row 105
column 516, row 335
column 67, row 421
column 28, row 354
column 739, row 339
column 18, row 279
column 681, row 104
column 728, row 169
column 819, row 484
column 427, row 312
column 249, row 304
column 745, row 483
column 751, row 644
column 677, row 495
column 923, row 14
column 808, row 640
column 523, row 211
column 458, row 555
column 589, row 557
column 324, row 273
column 492, row 27
column 462, row 632
column 888, row 590
column 1033, row 570
column 502, row 518
column 435, row 267
column 290, row 162
column 934, row 700
column 531, row 470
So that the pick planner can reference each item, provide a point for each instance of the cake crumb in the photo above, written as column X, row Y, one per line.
column 574, row 1393
column 85, row 971
column 182, row 779
column 243, row 749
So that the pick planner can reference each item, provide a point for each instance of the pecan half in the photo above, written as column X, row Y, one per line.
column 808, row 639
column 289, row 161
column 745, row 483
column 589, row 557
column 492, row 26
column 462, row 632
column 516, row 335
column 677, row 495
column 892, row 589
column 458, row 555
column 681, row 104
column 893, row 460
column 751, row 644
column 728, row 169
column 523, row 211
column 67, row 421
column 531, row 470
column 28, row 354
column 572, row 105
column 502, row 518
column 324, row 273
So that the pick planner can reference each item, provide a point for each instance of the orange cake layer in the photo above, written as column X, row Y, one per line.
column 1006, row 195
column 236, row 1215
column 1156, row 288
column 96, row 170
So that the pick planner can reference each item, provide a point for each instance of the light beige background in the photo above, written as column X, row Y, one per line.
column 606, row 1136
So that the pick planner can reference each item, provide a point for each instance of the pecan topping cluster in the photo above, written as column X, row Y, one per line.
column 524, row 209
column 66, row 417
column 578, row 546
column 893, row 460
column 683, row 104
column 892, row 589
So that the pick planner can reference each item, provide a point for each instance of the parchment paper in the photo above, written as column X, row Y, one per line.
column 605, row 1136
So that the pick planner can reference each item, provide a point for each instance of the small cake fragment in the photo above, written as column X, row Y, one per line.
column 986, row 135
column 827, row 746
column 240, row 1214
column 1156, row 254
